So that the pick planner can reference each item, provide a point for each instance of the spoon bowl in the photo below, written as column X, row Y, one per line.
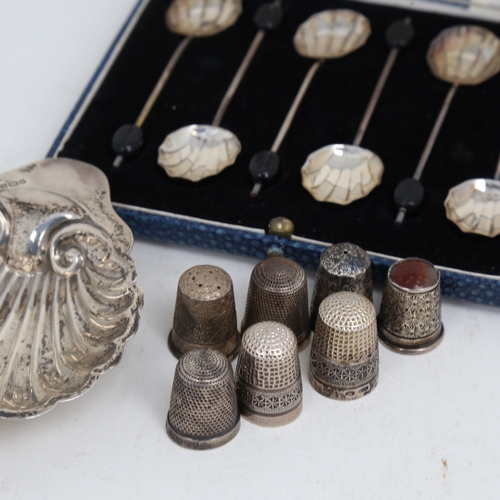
column 341, row 173
column 474, row 206
column 465, row 55
column 198, row 151
column 331, row 34
column 200, row 18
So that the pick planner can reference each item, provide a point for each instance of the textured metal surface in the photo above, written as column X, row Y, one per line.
column 278, row 292
column 343, row 267
column 205, row 314
column 67, row 284
column 203, row 406
column 268, row 380
column 410, row 320
column 344, row 353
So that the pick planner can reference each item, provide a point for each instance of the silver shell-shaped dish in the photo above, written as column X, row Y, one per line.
column 202, row 17
column 198, row 151
column 341, row 173
column 332, row 34
column 474, row 206
column 67, row 284
column 467, row 55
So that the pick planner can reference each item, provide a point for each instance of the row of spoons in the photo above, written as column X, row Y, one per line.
column 337, row 173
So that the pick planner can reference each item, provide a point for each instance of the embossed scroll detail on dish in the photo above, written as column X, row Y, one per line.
column 341, row 173
column 67, row 284
column 198, row 151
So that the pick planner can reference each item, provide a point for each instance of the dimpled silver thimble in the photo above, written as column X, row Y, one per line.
column 409, row 321
column 343, row 267
column 344, row 354
column 278, row 292
column 203, row 410
column 268, row 381
column 205, row 315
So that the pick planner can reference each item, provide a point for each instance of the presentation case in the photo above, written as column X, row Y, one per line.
column 218, row 212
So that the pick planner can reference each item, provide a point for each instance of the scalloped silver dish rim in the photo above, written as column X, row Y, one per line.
column 95, row 374
column 97, row 185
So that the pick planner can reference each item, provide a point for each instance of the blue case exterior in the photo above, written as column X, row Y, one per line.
column 208, row 235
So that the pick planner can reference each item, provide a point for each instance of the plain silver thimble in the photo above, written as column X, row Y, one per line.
column 203, row 410
column 205, row 314
column 410, row 314
column 268, row 381
column 343, row 267
column 344, row 354
column 278, row 292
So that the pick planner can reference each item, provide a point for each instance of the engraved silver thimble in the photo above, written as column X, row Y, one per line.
column 268, row 381
column 344, row 354
column 410, row 314
column 278, row 292
column 343, row 267
column 203, row 411
column 205, row 315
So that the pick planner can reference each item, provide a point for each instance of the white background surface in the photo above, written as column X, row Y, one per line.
column 429, row 430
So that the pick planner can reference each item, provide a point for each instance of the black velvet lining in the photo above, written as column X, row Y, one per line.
column 467, row 146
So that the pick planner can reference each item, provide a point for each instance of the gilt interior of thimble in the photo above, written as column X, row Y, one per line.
column 414, row 274
column 278, row 292
column 205, row 313
column 203, row 406
column 269, row 384
column 410, row 312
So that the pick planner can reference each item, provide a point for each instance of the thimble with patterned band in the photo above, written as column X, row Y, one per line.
column 268, row 381
column 203, row 410
column 205, row 314
column 343, row 267
column 409, row 321
column 278, row 292
column 344, row 354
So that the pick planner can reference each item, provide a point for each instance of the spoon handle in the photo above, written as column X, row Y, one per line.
column 162, row 81
column 296, row 103
column 238, row 77
column 497, row 171
column 389, row 63
column 435, row 131
column 430, row 143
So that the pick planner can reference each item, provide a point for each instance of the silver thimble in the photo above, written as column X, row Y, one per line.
column 344, row 354
column 410, row 314
column 203, row 410
column 278, row 292
column 205, row 315
column 343, row 267
column 268, row 382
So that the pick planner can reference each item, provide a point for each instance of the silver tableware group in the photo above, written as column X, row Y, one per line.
column 344, row 356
